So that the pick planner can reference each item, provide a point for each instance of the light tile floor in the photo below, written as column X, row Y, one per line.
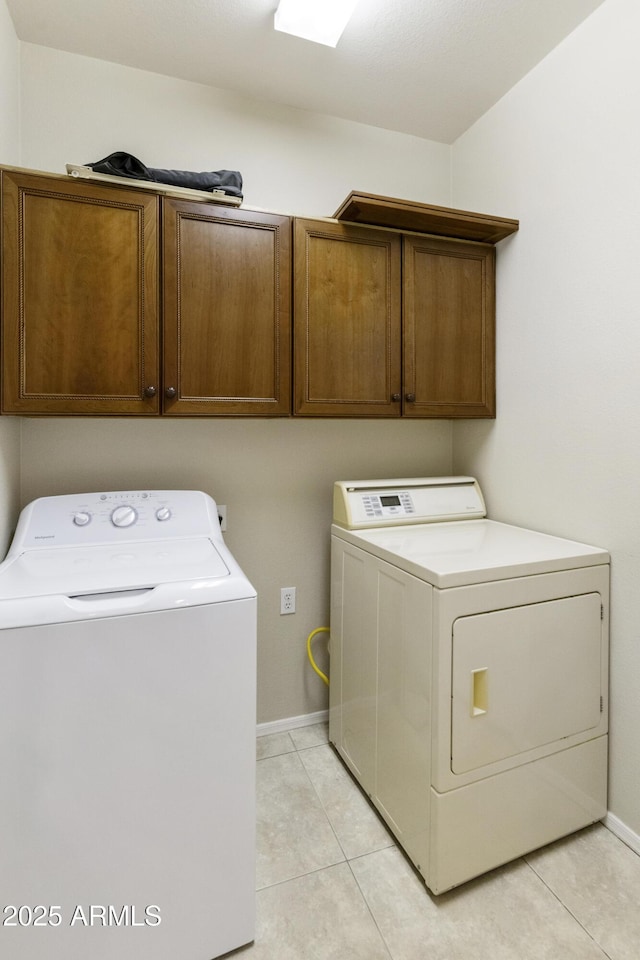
column 332, row 885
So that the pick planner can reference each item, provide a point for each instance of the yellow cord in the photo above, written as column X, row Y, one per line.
column 315, row 666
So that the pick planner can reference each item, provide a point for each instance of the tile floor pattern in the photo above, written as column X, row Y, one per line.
column 332, row 885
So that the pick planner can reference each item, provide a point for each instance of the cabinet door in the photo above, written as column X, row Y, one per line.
column 79, row 297
column 227, row 311
column 347, row 320
column 448, row 328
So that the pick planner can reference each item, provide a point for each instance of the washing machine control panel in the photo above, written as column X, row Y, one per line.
column 118, row 516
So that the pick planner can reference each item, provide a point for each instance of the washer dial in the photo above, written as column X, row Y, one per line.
column 124, row 516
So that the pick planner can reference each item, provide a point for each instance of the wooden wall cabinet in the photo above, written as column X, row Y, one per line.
column 85, row 330
column 119, row 301
column 347, row 310
column 392, row 325
column 79, row 298
column 227, row 311
column 448, row 328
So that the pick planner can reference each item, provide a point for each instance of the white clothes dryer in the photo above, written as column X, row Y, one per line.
column 127, row 732
column 469, row 673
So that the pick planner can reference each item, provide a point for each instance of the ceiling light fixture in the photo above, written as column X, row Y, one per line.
column 321, row 21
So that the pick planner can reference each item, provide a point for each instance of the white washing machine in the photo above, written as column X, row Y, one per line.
column 127, row 732
column 469, row 673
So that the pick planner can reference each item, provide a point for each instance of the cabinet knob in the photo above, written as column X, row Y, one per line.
column 395, row 397
column 150, row 391
column 410, row 397
column 170, row 393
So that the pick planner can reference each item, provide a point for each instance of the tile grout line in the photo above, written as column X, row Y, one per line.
column 566, row 908
column 357, row 786
column 346, row 858
column 295, row 752
column 300, row 876
column 369, row 910
column 324, row 809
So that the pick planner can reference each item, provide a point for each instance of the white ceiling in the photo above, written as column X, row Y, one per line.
column 423, row 67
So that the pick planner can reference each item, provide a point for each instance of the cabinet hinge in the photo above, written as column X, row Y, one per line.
column 601, row 704
column 602, row 611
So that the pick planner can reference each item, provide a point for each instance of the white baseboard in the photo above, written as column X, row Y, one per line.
column 292, row 723
column 622, row 831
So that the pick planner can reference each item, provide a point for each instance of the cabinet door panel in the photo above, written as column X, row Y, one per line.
column 449, row 328
column 347, row 320
column 80, row 314
column 227, row 310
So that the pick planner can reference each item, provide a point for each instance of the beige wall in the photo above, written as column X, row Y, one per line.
column 274, row 475
column 76, row 109
column 9, row 153
column 9, row 89
column 562, row 152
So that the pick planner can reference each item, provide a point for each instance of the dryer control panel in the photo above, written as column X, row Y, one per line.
column 376, row 503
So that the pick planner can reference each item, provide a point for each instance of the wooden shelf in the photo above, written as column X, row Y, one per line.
column 424, row 218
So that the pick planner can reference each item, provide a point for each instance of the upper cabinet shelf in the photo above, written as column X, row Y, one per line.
column 367, row 208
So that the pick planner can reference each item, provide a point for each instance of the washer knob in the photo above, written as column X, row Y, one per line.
column 124, row 516
column 81, row 518
column 163, row 513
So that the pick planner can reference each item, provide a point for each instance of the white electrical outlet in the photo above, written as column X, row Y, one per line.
column 287, row 600
column 222, row 515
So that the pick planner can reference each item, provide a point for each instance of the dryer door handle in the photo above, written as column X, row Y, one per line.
column 479, row 692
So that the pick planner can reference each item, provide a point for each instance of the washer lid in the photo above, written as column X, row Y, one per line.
column 72, row 571
column 472, row 551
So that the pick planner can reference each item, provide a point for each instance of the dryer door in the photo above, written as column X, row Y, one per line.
column 523, row 678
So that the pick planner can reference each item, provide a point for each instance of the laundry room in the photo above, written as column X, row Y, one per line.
column 558, row 151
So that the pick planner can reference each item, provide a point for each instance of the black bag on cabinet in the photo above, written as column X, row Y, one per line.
column 121, row 164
